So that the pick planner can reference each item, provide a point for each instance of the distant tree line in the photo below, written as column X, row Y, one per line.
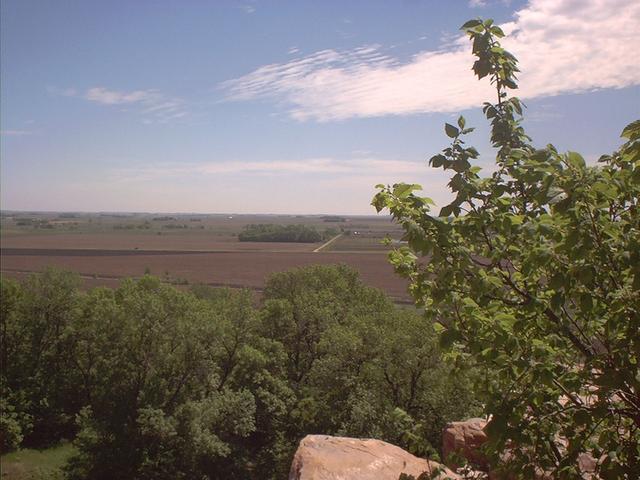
column 33, row 222
column 282, row 233
column 132, row 226
column 333, row 219
column 175, row 226
column 151, row 382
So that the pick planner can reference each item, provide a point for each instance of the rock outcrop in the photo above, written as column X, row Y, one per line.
column 322, row 457
column 465, row 439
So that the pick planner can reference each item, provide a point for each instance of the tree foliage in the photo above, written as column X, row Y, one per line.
column 152, row 382
column 533, row 273
column 359, row 366
column 280, row 233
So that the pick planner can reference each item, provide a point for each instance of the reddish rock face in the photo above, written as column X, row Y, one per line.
column 465, row 439
column 322, row 457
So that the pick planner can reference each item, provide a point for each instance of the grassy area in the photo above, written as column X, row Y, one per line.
column 35, row 464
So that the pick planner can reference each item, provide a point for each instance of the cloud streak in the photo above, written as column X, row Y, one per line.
column 329, row 166
column 152, row 104
column 15, row 133
column 337, row 183
column 564, row 46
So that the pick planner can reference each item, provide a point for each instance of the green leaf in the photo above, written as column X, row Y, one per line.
column 585, row 275
column 448, row 337
column 451, row 131
column 482, row 68
column 471, row 24
column 495, row 281
column 607, row 189
column 469, row 302
column 437, row 161
column 461, row 122
column 461, row 165
column 505, row 320
column 515, row 219
column 497, row 31
column 446, row 211
column 496, row 427
column 557, row 281
column 586, row 302
column 575, row 160
column 510, row 83
column 403, row 190
column 631, row 131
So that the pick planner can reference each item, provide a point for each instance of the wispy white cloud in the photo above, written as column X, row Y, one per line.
column 15, row 133
column 249, row 9
column 477, row 3
column 338, row 184
column 112, row 97
column 151, row 104
column 564, row 46
column 332, row 166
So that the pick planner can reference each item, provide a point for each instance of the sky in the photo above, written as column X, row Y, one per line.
column 295, row 107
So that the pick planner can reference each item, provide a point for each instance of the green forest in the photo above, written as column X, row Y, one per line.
column 283, row 233
column 153, row 382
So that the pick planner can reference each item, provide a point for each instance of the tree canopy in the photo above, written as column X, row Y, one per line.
column 152, row 382
column 533, row 274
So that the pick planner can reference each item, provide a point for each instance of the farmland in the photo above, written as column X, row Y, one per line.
column 189, row 249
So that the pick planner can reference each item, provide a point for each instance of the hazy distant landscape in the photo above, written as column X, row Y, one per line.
column 188, row 249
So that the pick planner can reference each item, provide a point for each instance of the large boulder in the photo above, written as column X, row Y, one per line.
column 322, row 457
column 465, row 439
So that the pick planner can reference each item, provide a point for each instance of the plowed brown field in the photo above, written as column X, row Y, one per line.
column 147, row 241
column 236, row 269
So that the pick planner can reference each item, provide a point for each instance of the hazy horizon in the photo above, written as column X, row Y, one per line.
column 251, row 107
column 132, row 212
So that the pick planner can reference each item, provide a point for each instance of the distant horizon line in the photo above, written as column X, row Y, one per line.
column 124, row 212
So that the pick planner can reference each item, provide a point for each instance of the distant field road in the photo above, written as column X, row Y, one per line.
column 326, row 244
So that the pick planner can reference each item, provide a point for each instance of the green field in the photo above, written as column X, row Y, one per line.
column 30, row 464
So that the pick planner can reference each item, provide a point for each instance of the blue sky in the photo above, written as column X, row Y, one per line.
column 285, row 107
